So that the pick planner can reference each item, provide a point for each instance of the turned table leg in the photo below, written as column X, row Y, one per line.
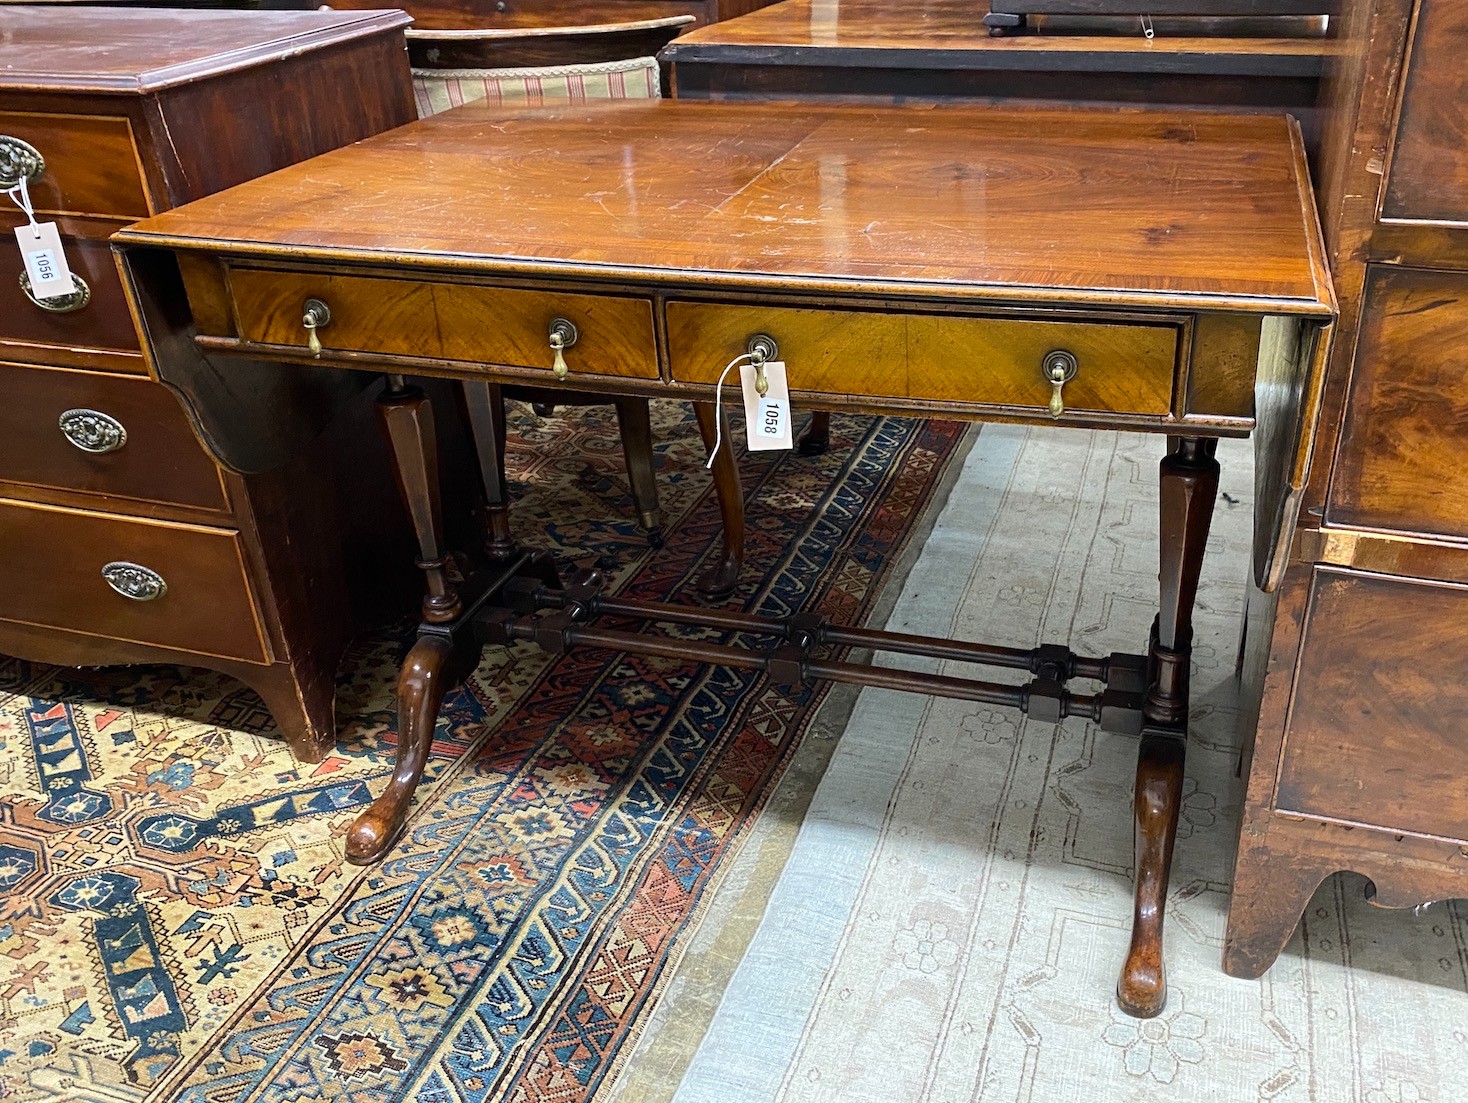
column 720, row 580
column 484, row 409
column 634, row 422
column 407, row 420
column 816, row 440
column 1189, row 478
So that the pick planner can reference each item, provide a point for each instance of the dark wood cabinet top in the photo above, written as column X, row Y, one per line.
column 950, row 34
column 1096, row 206
column 60, row 49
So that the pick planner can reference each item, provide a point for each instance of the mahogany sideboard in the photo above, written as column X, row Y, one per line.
column 940, row 49
column 639, row 248
column 121, row 540
column 452, row 15
column 1358, row 688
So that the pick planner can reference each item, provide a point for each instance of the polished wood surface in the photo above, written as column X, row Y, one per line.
column 1363, row 637
column 137, row 111
column 1352, row 708
column 496, row 325
column 159, row 459
column 937, row 358
column 29, row 332
column 1428, row 177
column 685, row 192
column 875, row 51
column 135, row 50
column 1400, row 463
column 92, row 165
column 54, row 558
column 941, row 27
column 519, row 14
column 905, row 260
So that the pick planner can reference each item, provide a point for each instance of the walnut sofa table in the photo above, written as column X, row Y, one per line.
column 1135, row 270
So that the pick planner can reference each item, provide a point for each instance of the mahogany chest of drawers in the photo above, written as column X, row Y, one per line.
column 121, row 541
column 1360, row 684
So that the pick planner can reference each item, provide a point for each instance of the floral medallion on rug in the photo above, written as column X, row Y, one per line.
column 178, row 922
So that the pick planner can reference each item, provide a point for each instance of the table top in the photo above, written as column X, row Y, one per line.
column 54, row 48
column 951, row 34
column 1100, row 207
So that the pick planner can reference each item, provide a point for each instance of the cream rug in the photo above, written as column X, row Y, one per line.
column 945, row 921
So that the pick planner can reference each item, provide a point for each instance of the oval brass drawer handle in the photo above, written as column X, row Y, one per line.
column 80, row 295
column 19, row 160
column 315, row 315
column 1059, row 368
column 562, row 336
column 135, row 582
column 92, row 430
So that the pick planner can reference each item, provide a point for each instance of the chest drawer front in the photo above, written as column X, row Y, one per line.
column 1428, row 178
column 492, row 325
column 54, row 560
column 1376, row 731
column 103, row 322
column 91, row 163
column 940, row 358
column 111, row 435
column 1400, row 459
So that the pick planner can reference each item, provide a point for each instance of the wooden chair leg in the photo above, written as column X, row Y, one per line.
column 720, row 579
column 634, row 420
column 1189, row 485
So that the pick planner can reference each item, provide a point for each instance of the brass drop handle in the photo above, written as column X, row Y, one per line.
column 562, row 336
column 1059, row 368
column 315, row 315
column 761, row 349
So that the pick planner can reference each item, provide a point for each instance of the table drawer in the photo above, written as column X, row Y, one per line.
column 102, row 322
column 490, row 325
column 91, row 163
column 103, row 434
column 1121, row 368
column 54, row 561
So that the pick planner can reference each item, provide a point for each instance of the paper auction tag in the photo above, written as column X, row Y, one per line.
column 767, row 416
column 45, row 262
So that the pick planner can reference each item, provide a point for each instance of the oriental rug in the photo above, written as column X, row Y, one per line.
column 948, row 924
column 178, row 922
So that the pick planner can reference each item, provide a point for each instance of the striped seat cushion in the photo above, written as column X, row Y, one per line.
column 438, row 90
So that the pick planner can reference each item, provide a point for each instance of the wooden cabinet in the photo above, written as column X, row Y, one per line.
column 476, row 14
column 120, row 539
column 1356, row 674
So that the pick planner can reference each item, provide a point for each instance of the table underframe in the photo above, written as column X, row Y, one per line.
column 518, row 595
